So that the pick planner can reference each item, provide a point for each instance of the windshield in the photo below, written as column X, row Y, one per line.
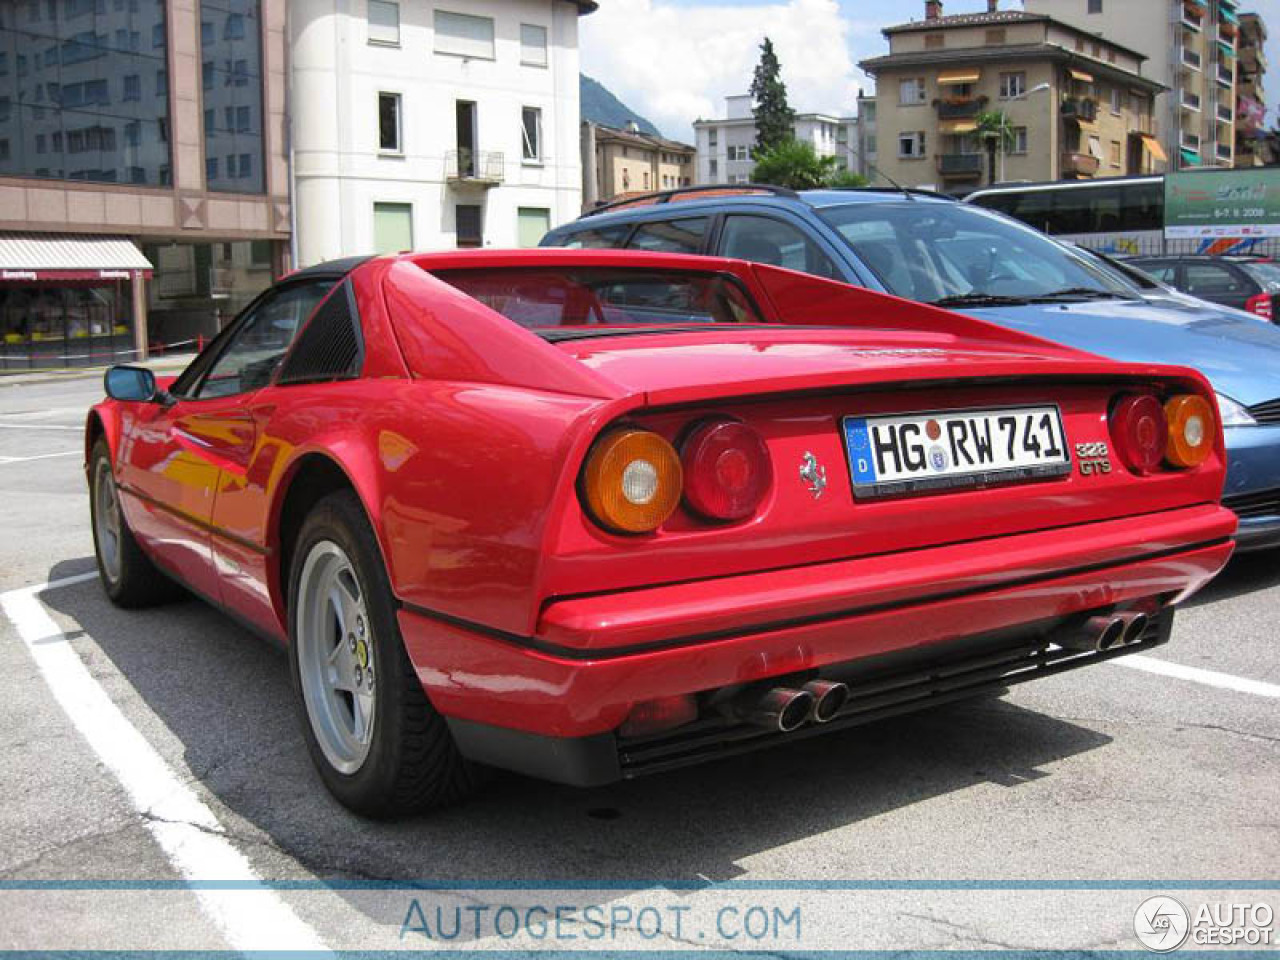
column 1266, row 273
column 939, row 253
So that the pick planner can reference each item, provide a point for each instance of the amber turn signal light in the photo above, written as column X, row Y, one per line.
column 632, row 481
column 1192, row 426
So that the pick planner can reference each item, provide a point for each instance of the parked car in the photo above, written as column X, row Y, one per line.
column 1247, row 283
column 933, row 249
column 593, row 514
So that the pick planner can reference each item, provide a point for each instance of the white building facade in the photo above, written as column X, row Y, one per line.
column 724, row 146
column 432, row 125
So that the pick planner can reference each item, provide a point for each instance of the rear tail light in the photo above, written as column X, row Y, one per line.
column 1140, row 432
column 1260, row 304
column 1179, row 433
column 1191, row 429
column 655, row 716
column 631, row 481
column 727, row 470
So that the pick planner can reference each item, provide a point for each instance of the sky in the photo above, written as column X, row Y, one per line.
column 674, row 61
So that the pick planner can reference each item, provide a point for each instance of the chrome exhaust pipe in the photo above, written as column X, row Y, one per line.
column 1135, row 625
column 1099, row 633
column 829, row 699
column 782, row 709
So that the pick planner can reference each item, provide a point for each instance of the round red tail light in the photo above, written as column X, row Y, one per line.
column 1140, row 431
column 727, row 470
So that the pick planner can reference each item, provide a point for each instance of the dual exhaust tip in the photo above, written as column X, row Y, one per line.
column 1108, row 632
column 785, row 709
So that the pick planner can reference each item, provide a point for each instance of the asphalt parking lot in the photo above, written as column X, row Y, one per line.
column 1113, row 774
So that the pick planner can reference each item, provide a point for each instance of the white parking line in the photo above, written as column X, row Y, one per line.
column 250, row 916
column 38, row 426
column 42, row 456
column 1210, row 678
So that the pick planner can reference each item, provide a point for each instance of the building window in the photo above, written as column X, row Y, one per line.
column 462, row 35
column 935, row 41
column 911, row 91
column 1019, row 140
column 1115, row 153
column 1095, row 6
column 384, row 21
column 713, row 137
column 232, row 76
column 531, row 224
column 1013, row 85
column 713, row 168
column 533, row 45
column 1116, row 100
column 392, row 227
column 132, row 87
column 468, row 222
column 389, row 123
column 740, row 152
column 911, row 145
column 531, row 133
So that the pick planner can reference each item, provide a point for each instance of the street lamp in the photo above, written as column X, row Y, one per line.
column 1038, row 88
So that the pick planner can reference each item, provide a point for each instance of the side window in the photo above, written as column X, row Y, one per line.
column 765, row 240
column 261, row 340
column 1164, row 272
column 671, row 236
column 601, row 238
column 1208, row 279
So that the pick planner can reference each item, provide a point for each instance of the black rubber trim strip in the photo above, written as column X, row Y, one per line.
column 613, row 653
column 194, row 521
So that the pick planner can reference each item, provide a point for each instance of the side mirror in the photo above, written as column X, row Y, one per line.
column 125, row 382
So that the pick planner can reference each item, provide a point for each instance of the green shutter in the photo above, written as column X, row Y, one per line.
column 532, row 223
column 392, row 227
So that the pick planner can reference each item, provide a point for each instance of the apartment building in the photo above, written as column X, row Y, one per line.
column 866, row 158
column 432, row 125
column 144, row 187
column 724, row 146
column 1251, row 101
column 1077, row 105
column 620, row 162
column 1191, row 47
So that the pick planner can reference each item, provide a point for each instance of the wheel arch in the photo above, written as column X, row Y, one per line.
column 310, row 478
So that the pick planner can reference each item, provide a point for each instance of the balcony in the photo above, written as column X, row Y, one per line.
column 1080, row 108
column 1079, row 165
column 958, row 109
column 966, row 165
column 1189, row 101
column 483, row 168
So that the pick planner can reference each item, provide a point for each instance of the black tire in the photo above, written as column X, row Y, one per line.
column 412, row 763
column 133, row 581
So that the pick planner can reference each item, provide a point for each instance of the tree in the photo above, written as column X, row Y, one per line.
column 795, row 164
column 996, row 133
column 774, row 118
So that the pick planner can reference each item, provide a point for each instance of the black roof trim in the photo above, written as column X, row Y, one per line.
column 330, row 268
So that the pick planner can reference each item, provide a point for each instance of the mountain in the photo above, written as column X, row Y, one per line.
column 601, row 106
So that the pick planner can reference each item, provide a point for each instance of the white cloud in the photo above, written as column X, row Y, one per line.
column 674, row 63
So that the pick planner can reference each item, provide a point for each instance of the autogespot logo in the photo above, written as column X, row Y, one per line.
column 1161, row 923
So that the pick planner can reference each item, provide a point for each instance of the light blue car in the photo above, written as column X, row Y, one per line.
column 930, row 248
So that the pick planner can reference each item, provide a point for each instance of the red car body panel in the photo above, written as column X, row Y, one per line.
column 465, row 434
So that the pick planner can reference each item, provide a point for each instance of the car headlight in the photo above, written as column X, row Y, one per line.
column 1234, row 414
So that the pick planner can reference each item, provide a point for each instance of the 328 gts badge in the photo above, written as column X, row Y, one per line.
column 1094, row 458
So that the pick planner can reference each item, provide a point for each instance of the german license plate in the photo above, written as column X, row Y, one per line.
column 956, row 448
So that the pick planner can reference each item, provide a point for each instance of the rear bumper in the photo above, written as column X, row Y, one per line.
column 593, row 658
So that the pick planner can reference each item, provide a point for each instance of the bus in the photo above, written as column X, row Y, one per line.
column 1120, row 216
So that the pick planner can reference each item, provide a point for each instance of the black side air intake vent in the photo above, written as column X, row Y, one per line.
column 329, row 347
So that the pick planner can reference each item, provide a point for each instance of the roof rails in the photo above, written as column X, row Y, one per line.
column 712, row 189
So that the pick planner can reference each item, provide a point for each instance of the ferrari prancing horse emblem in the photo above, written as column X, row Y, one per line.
column 813, row 474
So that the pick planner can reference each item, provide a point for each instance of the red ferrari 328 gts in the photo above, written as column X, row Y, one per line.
column 591, row 514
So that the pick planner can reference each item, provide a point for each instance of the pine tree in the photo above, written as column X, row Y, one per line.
column 774, row 118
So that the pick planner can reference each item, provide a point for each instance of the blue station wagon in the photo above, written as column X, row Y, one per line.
column 936, row 250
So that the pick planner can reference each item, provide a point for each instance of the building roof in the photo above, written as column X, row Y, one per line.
column 641, row 139
column 1001, row 17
